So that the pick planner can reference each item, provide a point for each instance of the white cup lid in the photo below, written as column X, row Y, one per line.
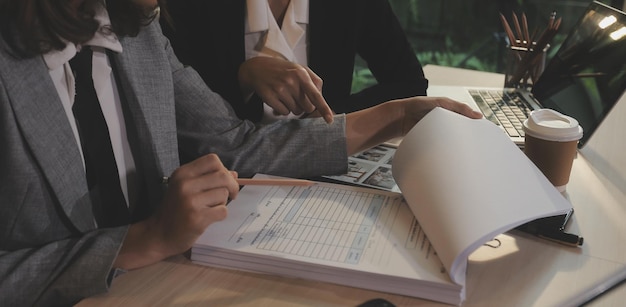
column 551, row 125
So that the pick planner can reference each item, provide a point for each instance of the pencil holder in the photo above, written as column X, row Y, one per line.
column 523, row 66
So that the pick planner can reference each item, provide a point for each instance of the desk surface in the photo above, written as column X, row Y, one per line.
column 548, row 272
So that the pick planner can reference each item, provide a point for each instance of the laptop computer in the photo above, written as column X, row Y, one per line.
column 584, row 79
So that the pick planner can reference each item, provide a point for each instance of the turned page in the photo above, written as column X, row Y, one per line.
column 467, row 182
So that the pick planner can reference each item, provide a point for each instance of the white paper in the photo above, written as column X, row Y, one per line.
column 467, row 182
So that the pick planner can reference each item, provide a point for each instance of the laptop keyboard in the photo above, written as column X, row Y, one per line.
column 505, row 108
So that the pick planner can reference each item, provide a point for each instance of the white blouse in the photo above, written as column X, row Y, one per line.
column 263, row 36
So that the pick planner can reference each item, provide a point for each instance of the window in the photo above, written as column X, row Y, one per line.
column 469, row 33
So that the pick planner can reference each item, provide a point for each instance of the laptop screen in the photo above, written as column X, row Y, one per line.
column 587, row 75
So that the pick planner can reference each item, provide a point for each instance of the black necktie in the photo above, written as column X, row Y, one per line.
column 109, row 204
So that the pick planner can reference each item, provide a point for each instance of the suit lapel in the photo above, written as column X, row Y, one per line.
column 149, row 101
column 39, row 112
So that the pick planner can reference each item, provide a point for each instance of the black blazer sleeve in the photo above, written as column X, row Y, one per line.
column 339, row 30
column 209, row 36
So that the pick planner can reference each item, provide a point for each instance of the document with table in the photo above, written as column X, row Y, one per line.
column 463, row 182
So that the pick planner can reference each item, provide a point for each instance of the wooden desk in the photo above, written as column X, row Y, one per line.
column 525, row 271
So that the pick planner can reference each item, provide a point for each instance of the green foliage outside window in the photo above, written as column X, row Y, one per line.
column 468, row 33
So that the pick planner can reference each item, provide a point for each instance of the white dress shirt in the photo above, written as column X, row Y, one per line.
column 106, row 90
column 263, row 36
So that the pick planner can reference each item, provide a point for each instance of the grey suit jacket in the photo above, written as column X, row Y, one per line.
column 50, row 250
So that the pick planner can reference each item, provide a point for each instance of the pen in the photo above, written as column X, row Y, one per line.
column 551, row 20
column 561, row 237
column 250, row 181
column 597, row 289
column 508, row 30
column 566, row 219
column 525, row 28
column 542, row 43
column 289, row 182
column 518, row 29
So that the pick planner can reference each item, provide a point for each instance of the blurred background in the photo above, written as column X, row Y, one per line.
column 469, row 34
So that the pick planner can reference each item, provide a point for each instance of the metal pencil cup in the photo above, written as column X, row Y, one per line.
column 523, row 66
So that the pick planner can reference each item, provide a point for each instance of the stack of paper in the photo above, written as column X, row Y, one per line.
column 464, row 183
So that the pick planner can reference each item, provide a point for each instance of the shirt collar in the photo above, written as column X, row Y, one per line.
column 102, row 38
column 258, row 21
column 301, row 11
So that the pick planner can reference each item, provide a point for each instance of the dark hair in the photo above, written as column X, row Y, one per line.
column 33, row 27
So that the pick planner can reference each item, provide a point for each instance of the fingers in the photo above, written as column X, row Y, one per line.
column 304, row 94
column 297, row 91
column 415, row 108
column 421, row 105
column 312, row 87
column 196, row 196
column 460, row 108
column 212, row 206
column 283, row 97
column 285, row 86
column 315, row 79
column 205, row 173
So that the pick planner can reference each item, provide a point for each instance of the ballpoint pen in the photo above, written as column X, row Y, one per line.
column 560, row 236
column 553, row 234
column 269, row 181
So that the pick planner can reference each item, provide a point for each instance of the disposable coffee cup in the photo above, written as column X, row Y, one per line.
column 551, row 140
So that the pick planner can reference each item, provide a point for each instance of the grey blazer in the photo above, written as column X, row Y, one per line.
column 51, row 253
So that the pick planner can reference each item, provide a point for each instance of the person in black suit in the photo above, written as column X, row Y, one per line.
column 210, row 36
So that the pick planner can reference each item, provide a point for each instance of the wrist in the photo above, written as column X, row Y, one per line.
column 397, row 113
column 393, row 118
column 141, row 247
column 372, row 126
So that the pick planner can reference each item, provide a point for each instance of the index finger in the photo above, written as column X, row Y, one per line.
column 202, row 165
column 317, row 99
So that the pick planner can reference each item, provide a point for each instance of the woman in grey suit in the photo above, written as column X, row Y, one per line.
column 55, row 245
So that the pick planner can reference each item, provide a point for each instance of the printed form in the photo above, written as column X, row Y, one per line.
column 340, row 224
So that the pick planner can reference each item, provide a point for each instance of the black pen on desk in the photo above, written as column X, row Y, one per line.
column 561, row 237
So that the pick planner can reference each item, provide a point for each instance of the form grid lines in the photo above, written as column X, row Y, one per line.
column 323, row 224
